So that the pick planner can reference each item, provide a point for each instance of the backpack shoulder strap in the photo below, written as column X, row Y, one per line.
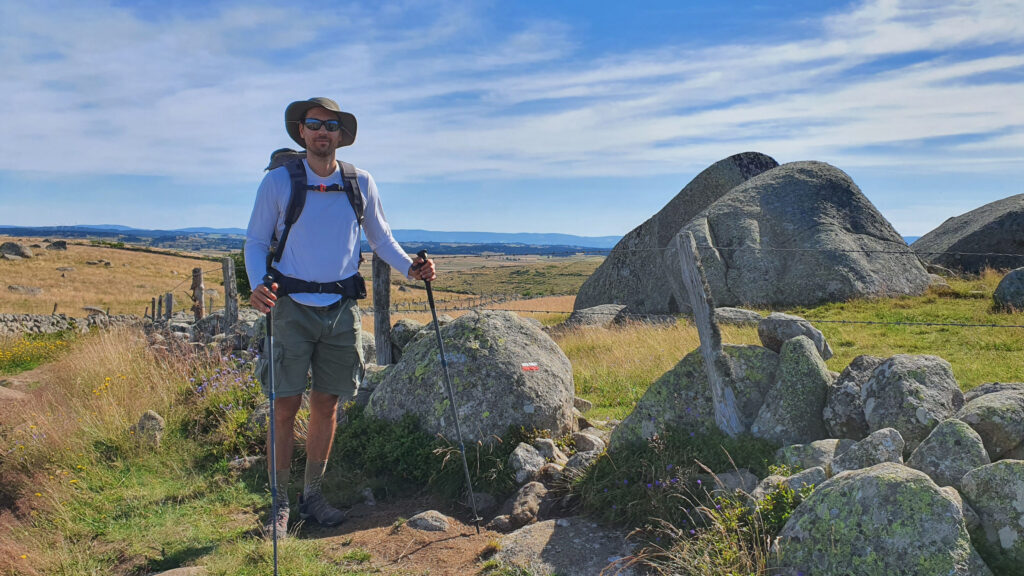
column 296, row 201
column 355, row 195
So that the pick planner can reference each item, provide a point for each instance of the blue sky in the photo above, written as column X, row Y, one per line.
column 575, row 117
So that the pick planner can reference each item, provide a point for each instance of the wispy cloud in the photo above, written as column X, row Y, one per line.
column 447, row 93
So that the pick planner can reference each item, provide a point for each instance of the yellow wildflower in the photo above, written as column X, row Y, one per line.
column 38, row 494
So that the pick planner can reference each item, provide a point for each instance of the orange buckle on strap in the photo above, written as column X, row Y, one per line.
column 323, row 188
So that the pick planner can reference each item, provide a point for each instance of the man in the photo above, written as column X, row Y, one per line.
column 315, row 330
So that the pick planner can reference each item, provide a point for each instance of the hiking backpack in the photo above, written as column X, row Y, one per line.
column 292, row 161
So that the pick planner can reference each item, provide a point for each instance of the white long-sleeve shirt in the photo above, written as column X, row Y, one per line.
column 323, row 245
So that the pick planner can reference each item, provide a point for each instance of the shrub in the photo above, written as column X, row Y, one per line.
column 634, row 485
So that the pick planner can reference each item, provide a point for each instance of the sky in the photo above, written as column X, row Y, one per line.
column 518, row 116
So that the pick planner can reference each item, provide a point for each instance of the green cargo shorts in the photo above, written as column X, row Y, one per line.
column 323, row 341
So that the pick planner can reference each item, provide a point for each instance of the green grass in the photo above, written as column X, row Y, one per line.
column 31, row 350
column 613, row 368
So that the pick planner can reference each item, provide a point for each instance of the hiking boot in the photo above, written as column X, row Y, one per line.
column 315, row 506
column 281, row 521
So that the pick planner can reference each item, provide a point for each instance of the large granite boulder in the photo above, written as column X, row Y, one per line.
column 15, row 249
column 505, row 371
column 911, row 393
column 601, row 316
column 634, row 273
column 844, row 409
column 950, row 451
column 800, row 234
column 996, row 493
column 681, row 398
column 998, row 418
column 967, row 242
column 1009, row 294
column 887, row 519
column 778, row 327
column 792, row 409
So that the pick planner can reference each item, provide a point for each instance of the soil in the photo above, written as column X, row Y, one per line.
column 395, row 548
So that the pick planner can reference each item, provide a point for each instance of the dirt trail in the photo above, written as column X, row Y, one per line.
column 395, row 548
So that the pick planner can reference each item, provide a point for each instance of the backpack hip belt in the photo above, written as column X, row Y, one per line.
column 352, row 287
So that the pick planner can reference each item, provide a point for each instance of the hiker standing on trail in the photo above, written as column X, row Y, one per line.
column 315, row 267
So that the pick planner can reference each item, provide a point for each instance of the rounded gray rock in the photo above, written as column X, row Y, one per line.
column 998, row 418
column 911, row 393
column 487, row 353
column 681, row 398
column 429, row 521
column 634, row 272
column 844, row 408
column 600, row 316
column 887, row 519
column 797, row 235
column 1009, row 294
column 737, row 317
column 969, row 242
column 950, row 451
column 996, row 493
column 885, row 445
column 792, row 408
column 778, row 327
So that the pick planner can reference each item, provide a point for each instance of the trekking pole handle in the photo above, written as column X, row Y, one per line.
column 430, row 293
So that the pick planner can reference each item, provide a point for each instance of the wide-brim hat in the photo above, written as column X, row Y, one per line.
column 296, row 111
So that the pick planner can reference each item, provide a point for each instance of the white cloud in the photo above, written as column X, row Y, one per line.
column 445, row 92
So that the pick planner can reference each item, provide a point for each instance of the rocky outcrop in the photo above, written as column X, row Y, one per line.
column 887, row 519
column 737, row 316
column 818, row 453
column 970, row 242
column 15, row 249
column 505, row 372
column 568, row 546
column 633, row 273
column 800, row 234
column 601, row 316
column 17, row 324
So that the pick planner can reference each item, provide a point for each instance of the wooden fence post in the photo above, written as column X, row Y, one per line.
column 158, row 305
column 382, row 310
column 230, row 295
column 197, row 293
column 727, row 414
column 168, row 305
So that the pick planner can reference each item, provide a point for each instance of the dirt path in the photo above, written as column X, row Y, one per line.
column 395, row 548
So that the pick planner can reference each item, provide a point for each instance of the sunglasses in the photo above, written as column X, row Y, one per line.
column 313, row 124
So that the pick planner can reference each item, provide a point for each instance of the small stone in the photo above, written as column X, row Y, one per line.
column 525, row 461
column 588, row 443
column 429, row 521
column 582, row 405
column 368, row 498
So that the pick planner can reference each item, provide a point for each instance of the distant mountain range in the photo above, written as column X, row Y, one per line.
column 235, row 236
column 129, row 234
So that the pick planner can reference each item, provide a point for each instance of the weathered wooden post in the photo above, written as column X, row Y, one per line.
column 209, row 309
column 168, row 305
column 54, row 313
column 197, row 294
column 382, row 310
column 230, row 294
column 158, row 305
column 727, row 414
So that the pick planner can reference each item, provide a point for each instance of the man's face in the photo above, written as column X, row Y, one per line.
column 320, row 142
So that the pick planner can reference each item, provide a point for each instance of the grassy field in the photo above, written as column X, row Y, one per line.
column 80, row 495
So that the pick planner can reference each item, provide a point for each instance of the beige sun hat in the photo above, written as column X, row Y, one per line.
column 296, row 111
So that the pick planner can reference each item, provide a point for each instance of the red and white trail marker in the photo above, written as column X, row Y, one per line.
column 530, row 367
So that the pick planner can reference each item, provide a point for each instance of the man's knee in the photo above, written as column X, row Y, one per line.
column 323, row 403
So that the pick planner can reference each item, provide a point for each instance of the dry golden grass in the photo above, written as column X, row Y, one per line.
column 125, row 287
column 614, row 367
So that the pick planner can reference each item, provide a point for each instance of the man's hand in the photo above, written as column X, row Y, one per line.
column 263, row 298
column 422, row 269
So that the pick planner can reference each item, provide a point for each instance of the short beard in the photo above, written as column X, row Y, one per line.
column 328, row 153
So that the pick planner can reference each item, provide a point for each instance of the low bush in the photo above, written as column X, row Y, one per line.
column 656, row 480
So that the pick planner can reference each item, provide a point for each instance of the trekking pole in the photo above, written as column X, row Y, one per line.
column 268, row 281
column 451, row 397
